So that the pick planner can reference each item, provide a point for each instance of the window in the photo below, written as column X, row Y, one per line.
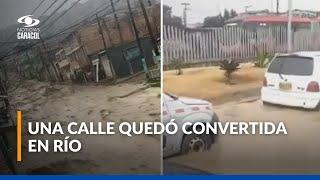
column 132, row 53
column 292, row 65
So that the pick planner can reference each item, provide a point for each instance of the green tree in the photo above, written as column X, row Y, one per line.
column 219, row 20
column 229, row 67
column 226, row 15
column 169, row 19
column 213, row 21
column 233, row 13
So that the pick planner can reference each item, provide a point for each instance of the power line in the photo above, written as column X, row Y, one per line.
column 54, row 12
column 59, row 33
column 48, row 8
column 56, row 19
column 74, row 25
column 78, row 23
column 37, row 7
column 64, row 30
column 88, row 16
column 83, row 16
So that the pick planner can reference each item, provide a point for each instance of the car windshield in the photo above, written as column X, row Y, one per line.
column 292, row 65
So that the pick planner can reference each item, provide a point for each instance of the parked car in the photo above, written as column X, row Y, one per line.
column 183, row 110
column 293, row 80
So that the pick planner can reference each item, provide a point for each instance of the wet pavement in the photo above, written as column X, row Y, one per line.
column 297, row 152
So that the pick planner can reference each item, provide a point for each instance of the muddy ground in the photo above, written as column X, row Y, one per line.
column 128, row 101
column 297, row 152
column 209, row 83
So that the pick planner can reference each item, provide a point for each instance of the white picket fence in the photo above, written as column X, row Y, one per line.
column 214, row 44
column 307, row 39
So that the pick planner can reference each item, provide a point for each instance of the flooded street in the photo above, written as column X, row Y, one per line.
column 64, row 103
column 297, row 152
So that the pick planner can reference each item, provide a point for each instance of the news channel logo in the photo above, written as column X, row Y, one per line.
column 28, row 29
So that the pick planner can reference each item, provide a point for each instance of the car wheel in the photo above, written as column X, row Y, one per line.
column 317, row 108
column 195, row 143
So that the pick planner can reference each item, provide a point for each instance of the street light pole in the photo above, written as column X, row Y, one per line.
column 185, row 9
column 289, row 32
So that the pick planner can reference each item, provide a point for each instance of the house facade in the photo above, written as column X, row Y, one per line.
column 100, row 50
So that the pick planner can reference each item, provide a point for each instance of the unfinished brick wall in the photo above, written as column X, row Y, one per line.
column 89, row 37
column 154, row 13
column 70, row 43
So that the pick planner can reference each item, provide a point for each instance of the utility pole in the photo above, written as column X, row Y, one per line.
column 153, row 18
column 101, row 33
column 105, row 47
column 47, row 59
column 104, row 25
column 289, row 32
column 116, row 20
column 120, row 34
column 154, row 41
column 277, row 6
column 185, row 9
column 136, row 32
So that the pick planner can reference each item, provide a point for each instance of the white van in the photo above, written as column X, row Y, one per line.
column 293, row 80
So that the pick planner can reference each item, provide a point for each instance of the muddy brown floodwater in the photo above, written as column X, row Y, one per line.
column 297, row 152
column 102, row 154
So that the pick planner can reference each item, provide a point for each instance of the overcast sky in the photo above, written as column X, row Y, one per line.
column 199, row 9
column 11, row 10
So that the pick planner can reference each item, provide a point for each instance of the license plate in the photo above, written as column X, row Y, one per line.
column 285, row 86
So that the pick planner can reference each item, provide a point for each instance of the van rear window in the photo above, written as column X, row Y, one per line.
column 292, row 65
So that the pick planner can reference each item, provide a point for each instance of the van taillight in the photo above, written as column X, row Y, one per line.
column 313, row 87
column 265, row 82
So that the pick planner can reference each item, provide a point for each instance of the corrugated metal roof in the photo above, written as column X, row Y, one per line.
column 276, row 19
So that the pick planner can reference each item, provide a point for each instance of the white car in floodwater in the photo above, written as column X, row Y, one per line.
column 182, row 110
column 293, row 80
